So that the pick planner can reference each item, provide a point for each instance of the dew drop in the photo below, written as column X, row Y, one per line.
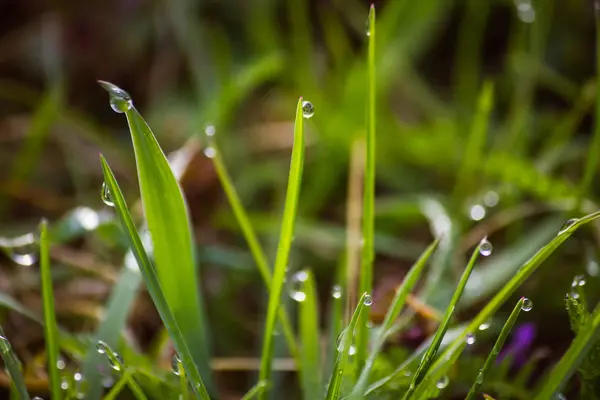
column 175, row 365
column 64, row 384
column 23, row 249
column 352, row 350
column 578, row 280
column 367, row 27
column 470, row 339
column 340, row 342
column 106, row 196
column 565, row 227
column 101, row 347
column 116, row 363
column 108, row 381
column 574, row 294
column 210, row 130
column 560, row 396
column 527, row 304
column 407, row 373
column 485, row 247
column 297, row 285
column 36, row 398
column 120, row 101
column 442, row 383
column 308, row 110
column 491, row 199
column 60, row 364
column 210, row 152
column 4, row 345
column 526, row 12
column 484, row 326
column 78, row 377
column 477, row 212
column 336, row 292
column 368, row 300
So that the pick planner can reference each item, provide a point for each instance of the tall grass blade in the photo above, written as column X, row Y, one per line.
column 496, row 349
column 12, row 366
column 365, row 282
column 168, row 222
column 283, row 248
column 431, row 352
column 149, row 273
column 399, row 300
column 310, row 355
column 50, row 327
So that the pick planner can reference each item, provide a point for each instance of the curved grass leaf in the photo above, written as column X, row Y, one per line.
column 13, row 366
column 168, row 222
column 310, row 365
column 149, row 274
column 285, row 243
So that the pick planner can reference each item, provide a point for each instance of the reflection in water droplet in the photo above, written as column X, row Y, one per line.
column 470, row 339
column 120, row 101
column 23, row 249
column 484, row 326
column 491, row 199
column 485, row 247
column 368, row 300
column 336, row 292
column 308, row 110
column 297, row 286
column 106, row 196
column 527, row 304
column 175, row 365
column 210, row 152
column 477, row 212
column 569, row 223
column 442, row 383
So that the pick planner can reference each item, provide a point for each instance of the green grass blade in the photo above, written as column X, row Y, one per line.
column 256, row 249
column 431, row 352
column 255, row 391
column 399, row 299
column 451, row 354
column 13, row 366
column 343, row 347
column 50, row 327
column 365, row 282
column 285, row 243
column 568, row 364
column 168, row 221
column 118, row 387
column 183, row 382
column 310, row 359
column 149, row 274
column 496, row 349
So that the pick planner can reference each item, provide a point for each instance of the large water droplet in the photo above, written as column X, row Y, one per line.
column 175, row 365
column 106, row 196
column 470, row 339
column 565, row 227
column 308, row 110
column 350, row 345
column 527, row 304
column 442, row 383
column 477, row 212
column 210, row 152
column 23, row 249
column 336, row 292
column 485, row 247
column 368, row 300
column 120, row 101
column 297, row 286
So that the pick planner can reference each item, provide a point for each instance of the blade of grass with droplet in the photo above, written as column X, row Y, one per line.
column 255, row 391
column 569, row 362
column 50, row 327
column 496, row 349
column 12, row 365
column 149, row 273
column 310, row 351
column 397, row 303
column 431, row 352
column 365, row 281
column 257, row 251
column 168, row 221
column 284, row 245
column 343, row 348
column 451, row 354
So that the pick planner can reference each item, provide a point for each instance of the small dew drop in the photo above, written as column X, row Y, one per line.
column 368, row 300
column 210, row 130
column 526, row 12
column 77, row 377
column 485, row 247
column 477, row 212
column 120, row 101
column 527, row 304
column 101, row 347
column 210, row 152
column 470, row 339
column 106, row 196
column 4, row 345
column 578, row 280
column 491, row 199
column 442, row 383
column 484, row 326
column 23, row 249
column 297, row 286
column 560, row 396
column 352, row 350
column 36, row 398
column 336, row 292
column 108, row 381
column 574, row 294
column 64, row 384
column 117, row 363
column 308, row 110
column 565, row 227
column 175, row 365
column 367, row 27
column 60, row 364
column 407, row 373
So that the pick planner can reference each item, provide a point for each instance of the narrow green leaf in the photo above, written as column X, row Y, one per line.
column 149, row 274
column 118, row 387
column 310, row 359
column 255, row 391
column 431, row 352
column 285, row 243
column 575, row 354
column 50, row 327
column 168, row 222
column 345, row 342
column 397, row 304
column 13, row 366
column 496, row 349
column 183, row 382
column 365, row 282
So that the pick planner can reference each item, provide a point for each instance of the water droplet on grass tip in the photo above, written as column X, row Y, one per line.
column 442, row 383
column 116, row 363
column 527, row 304
column 485, row 247
column 470, row 339
column 101, row 347
column 120, row 101
column 308, row 110
column 210, row 152
column 368, row 300
column 336, row 292
column 297, row 286
column 565, row 227
column 175, row 365
column 106, row 196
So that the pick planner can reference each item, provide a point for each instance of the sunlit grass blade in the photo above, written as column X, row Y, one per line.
column 566, row 367
column 149, row 274
column 255, row 391
column 365, row 281
column 451, row 354
column 345, row 342
column 431, row 352
column 183, row 382
column 50, row 327
column 168, row 221
column 284, row 245
column 397, row 303
column 256, row 249
column 13, row 366
column 310, row 354
column 496, row 349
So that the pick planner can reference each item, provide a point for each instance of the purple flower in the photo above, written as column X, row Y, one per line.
column 519, row 346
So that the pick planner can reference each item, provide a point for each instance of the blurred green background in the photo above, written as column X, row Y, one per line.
column 513, row 165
